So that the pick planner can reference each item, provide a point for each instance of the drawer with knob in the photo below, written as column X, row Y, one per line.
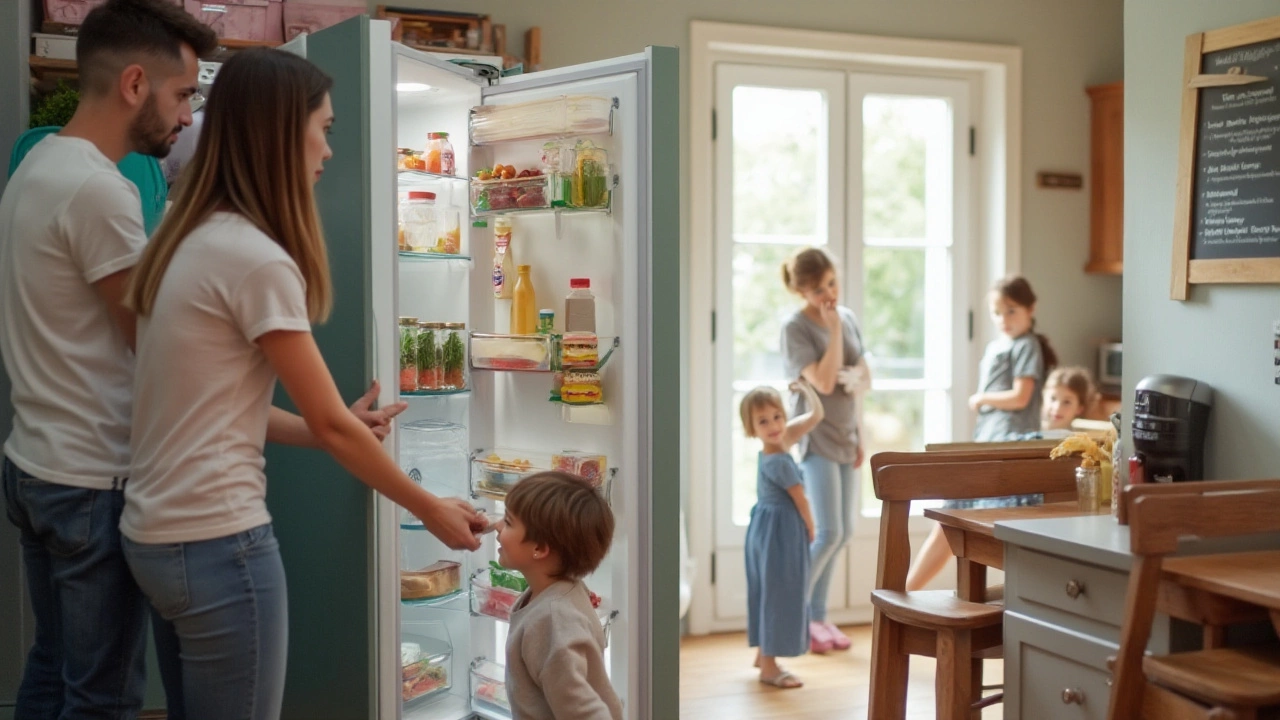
column 1054, row 674
column 1073, row 587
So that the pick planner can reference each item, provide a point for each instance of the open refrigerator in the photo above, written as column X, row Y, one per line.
column 483, row 407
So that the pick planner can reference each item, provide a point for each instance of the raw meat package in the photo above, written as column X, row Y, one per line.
column 584, row 465
column 241, row 19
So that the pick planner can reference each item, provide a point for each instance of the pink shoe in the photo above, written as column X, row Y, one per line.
column 819, row 639
column 839, row 640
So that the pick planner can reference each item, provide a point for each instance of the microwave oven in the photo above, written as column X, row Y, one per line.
column 1109, row 366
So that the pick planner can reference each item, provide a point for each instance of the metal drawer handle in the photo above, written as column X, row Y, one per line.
column 1070, row 696
column 1075, row 589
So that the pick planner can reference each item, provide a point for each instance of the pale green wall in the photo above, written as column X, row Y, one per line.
column 1223, row 334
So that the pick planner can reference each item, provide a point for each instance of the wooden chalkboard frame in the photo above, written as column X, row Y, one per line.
column 1187, row 272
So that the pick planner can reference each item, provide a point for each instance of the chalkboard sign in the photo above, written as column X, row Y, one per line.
column 1228, row 222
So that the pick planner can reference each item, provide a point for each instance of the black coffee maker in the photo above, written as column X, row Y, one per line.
column 1170, row 417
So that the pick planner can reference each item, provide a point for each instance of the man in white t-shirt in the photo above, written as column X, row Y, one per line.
column 71, row 229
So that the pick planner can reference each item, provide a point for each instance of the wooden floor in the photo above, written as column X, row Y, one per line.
column 717, row 681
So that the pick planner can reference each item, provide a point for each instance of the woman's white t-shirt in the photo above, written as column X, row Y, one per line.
column 203, row 387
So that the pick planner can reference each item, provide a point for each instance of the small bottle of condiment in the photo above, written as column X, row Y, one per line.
column 440, row 158
column 503, row 259
column 546, row 322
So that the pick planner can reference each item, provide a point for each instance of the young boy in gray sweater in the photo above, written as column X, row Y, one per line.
column 556, row 530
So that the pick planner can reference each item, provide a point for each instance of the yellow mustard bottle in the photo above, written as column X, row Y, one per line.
column 524, row 304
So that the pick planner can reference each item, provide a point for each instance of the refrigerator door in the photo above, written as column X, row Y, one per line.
column 631, row 256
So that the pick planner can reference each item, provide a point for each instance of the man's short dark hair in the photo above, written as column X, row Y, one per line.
column 119, row 33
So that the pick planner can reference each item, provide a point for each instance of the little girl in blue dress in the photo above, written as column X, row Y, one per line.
column 778, row 537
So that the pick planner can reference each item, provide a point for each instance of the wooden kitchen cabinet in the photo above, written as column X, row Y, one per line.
column 1106, row 202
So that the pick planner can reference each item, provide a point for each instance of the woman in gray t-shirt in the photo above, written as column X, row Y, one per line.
column 821, row 343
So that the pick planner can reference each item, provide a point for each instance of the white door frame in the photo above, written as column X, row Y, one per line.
column 998, row 72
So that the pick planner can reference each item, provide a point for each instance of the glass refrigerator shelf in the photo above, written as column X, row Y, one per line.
column 433, row 393
column 410, row 179
column 433, row 257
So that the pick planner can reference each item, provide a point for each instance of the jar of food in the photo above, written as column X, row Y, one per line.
column 453, row 357
column 1088, row 482
column 440, row 158
column 590, row 176
column 546, row 322
column 429, row 338
column 449, row 230
column 408, row 354
column 419, row 220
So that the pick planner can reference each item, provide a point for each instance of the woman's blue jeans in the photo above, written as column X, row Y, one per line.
column 223, row 640
column 830, row 487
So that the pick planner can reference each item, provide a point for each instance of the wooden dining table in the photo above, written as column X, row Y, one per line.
column 1213, row 590
column 971, row 535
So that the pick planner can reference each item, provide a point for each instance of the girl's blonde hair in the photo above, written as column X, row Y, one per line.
column 761, row 397
column 251, row 160
column 805, row 269
column 1077, row 380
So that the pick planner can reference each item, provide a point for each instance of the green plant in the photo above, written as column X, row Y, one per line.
column 408, row 352
column 56, row 108
column 453, row 353
column 427, row 350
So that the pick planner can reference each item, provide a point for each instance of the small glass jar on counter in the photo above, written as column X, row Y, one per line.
column 408, row 354
column 453, row 357
column 418, row 221
column 1088, row 487
column 429, row 339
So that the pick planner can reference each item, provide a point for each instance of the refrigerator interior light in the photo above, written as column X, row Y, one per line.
column 411, row 87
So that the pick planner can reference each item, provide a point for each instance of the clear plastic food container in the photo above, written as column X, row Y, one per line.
column 495, row 602
column 559, row 116
column 526, row 193
column 489, row 687
column 511, row 352
column 494, row 472
column 434, row 454
column 426, row 655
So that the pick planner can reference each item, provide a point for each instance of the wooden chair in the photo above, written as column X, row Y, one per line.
column 1213, row 684
column 938, row 624
column 1213, row 613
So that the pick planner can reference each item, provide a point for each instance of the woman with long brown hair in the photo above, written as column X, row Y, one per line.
column 228, row 291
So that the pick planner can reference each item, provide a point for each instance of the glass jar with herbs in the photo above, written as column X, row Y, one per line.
column 408, row 354
column 429, row 355
column 590, row 186
column 453, row 363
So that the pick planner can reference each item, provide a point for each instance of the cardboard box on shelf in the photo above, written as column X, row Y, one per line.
column 254, row 20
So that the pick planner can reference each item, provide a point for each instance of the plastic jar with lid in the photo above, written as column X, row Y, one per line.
column 418, row 219
column 440, row 158
column 408, row 354
column 453, row 357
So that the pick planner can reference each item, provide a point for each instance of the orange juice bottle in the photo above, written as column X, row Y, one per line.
column 524, row 305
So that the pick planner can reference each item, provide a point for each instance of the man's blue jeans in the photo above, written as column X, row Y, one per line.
column 88, row 660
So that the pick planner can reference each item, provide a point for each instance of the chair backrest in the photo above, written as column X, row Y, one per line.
column 900, row 478
column 1132, row 492
column 1159, row 519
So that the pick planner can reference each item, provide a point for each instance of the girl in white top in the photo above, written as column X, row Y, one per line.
column 226, row 295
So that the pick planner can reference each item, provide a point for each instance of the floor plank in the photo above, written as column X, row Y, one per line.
column 717, row 681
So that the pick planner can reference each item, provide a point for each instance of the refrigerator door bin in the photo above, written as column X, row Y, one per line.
column 426, row 655
column 489, row 688
column 494, row 602
column 554, row 117
column 496, row 471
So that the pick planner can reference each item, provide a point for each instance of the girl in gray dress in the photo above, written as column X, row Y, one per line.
column 1008, row 401
column 777, row 549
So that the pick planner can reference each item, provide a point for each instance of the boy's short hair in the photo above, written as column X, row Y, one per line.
column 120, row 33
column 761, row 397
column 566, row 514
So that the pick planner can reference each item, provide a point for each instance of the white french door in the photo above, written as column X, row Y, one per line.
column 875, row 169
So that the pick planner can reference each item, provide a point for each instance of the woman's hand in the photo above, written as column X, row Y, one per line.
column 454, row 521
column 976, row 402
column 829, row 313
column 808, row 524
column 379, row 421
